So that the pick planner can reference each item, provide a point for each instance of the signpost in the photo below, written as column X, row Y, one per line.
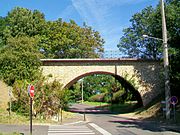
column 31, row 93
column 174, row 101
column 10, row 96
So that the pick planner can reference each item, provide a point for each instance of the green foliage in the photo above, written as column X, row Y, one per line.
column 92, row 85
column 104, row 88
column 2, row 28
column 24, row 22
column 126, row 107
column 75, row 92
column 149, row 22
column 118, row 97
column 49, row 97
column 98, row 83
column 14, row 133
column 68, row 40
column 56, row 39
column 95, row 103
column 146, row 22
column 21, row 104
column 19, row 60
column 97, row 98
column 175, row 74
column 25, row 37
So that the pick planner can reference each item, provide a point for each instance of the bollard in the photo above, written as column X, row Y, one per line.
column 84, row 116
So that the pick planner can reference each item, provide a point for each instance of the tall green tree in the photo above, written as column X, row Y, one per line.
column 98, row 86
column 19, row 60
column 3, row 24
column 132, row 43
column 149, row 22
column 24, row 22
column 57, row 39
column 68, row 40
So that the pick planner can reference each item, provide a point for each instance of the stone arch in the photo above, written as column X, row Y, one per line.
column 121, row 80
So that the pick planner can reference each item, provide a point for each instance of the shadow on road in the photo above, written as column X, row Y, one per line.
column 153, row 126
column 103, row 109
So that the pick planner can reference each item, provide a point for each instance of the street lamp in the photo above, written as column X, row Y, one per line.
column 147, row 36
column 166, row 62
column 165, row 59
column 166, row 74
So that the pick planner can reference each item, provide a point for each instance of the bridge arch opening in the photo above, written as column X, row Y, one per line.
column 124, row 83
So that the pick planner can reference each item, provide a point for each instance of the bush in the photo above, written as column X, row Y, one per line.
column 49, row 97
column 97, row 98
column 118, row 97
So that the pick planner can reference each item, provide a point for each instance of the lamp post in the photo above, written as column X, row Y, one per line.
column 166, row 74
column 82, row 93
column 165, row 60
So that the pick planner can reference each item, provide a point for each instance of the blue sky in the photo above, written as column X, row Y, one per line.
column 109, row 17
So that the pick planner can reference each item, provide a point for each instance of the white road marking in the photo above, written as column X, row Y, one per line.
column 101, row 130
column 69, row 130
column 73, row 123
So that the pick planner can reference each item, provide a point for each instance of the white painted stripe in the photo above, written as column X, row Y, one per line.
column 101, row 130
column 73, row 123
column 71, row 134
column 69, row 130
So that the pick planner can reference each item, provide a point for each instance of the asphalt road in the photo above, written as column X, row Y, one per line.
column 117, row 125
column 123, row 126
column 97, row 122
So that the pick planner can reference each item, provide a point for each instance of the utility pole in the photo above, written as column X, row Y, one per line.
column 166, row 62
column 82, row 96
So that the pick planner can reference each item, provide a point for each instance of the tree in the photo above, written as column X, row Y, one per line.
column 24, row 22
column 19, row 60
column 2, row 28
column 57, row 39
column 148, row 21
column 99, row 87
column 68, row 40
column 49, row 98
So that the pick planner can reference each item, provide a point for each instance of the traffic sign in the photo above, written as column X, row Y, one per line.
column 174, row 100
column 31, row 91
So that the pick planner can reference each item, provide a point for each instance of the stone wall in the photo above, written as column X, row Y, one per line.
column 147, row 73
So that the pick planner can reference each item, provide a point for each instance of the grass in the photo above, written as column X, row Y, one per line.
column 14, row 118
column 123, row 108
column 14, row 133
column 95, row 103
column 153, row 112
column 5, row 118
column 4, row 97
column 116, row 108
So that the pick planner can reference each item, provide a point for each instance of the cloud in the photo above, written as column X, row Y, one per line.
column 100, row 15
column 67, row 12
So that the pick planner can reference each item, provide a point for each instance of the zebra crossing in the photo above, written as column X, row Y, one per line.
column 69, row 130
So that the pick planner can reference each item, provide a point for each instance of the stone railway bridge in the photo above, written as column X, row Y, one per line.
column 146, row 74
